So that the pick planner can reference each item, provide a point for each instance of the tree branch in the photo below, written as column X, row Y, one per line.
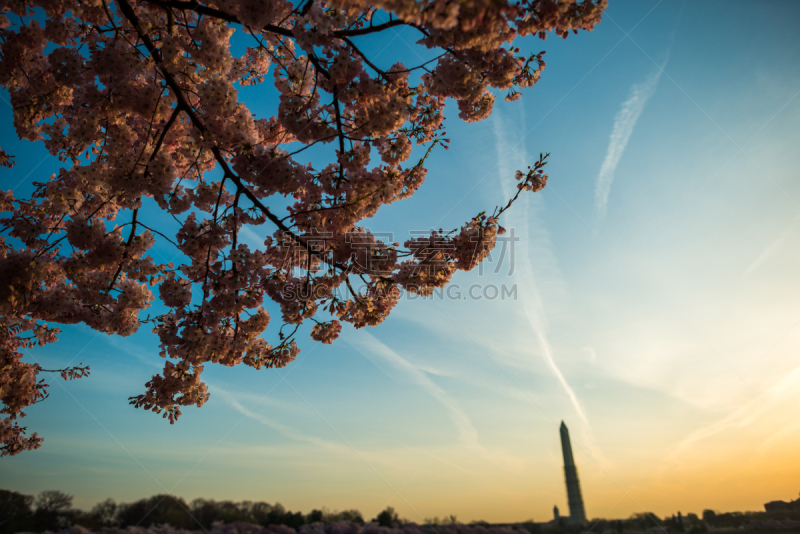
column 366, row 59
column 184, row 105
column 200, row 9
column 127, row 244
column 341, row 134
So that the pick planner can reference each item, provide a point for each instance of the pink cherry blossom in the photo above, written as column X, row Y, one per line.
column 139, row 99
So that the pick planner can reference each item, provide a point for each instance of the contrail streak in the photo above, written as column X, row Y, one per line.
column 624, row 123
column 533, row 306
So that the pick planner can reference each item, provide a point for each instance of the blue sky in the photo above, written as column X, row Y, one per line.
column 656, row 310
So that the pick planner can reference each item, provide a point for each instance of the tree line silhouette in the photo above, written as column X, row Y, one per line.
column 52, row 511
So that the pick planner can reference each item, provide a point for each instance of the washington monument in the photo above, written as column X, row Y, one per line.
column 576, row 511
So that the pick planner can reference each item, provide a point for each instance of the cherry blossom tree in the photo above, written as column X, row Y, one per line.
column 139, row 99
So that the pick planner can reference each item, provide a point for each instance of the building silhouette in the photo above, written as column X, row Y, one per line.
column 782, row 506
column 577, row 512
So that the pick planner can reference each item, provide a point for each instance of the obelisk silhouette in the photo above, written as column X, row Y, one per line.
column 576, row 510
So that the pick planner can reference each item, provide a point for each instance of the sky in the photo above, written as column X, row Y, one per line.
column 649, row 299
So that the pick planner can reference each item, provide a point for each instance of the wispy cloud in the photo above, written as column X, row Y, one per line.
column 548, row 358
column 771, row 249
column 788, row 431
column 624, row 123
column 395, row 459
column 233, row 400
column 250, row 237
column 749, row 414
column 529, row 290
column 142, row 354
column 380, row 354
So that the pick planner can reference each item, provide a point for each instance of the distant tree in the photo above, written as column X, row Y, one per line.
column 260, row 511
column 53, row 501
column 387, row 517
column 15, row 512
column 674, row 523
column 643, row 521
column 294, row 520
column 157, row 510
column 732, row 519
column 231, row 512
column 105, row 512
column 353, row 516
column 560, row 526
column 531, row 526
column 315, row 516
column 204, row 511
column 694, row 524
column 709, row 517
column 276, row 515
column 326, row 516
column 207, row 512
column 102, row 515
column 52, row 510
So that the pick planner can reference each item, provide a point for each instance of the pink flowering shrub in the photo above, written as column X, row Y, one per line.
column 140, row 98
column 340, row 527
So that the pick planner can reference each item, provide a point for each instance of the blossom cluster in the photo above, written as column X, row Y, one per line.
column 140, row 100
